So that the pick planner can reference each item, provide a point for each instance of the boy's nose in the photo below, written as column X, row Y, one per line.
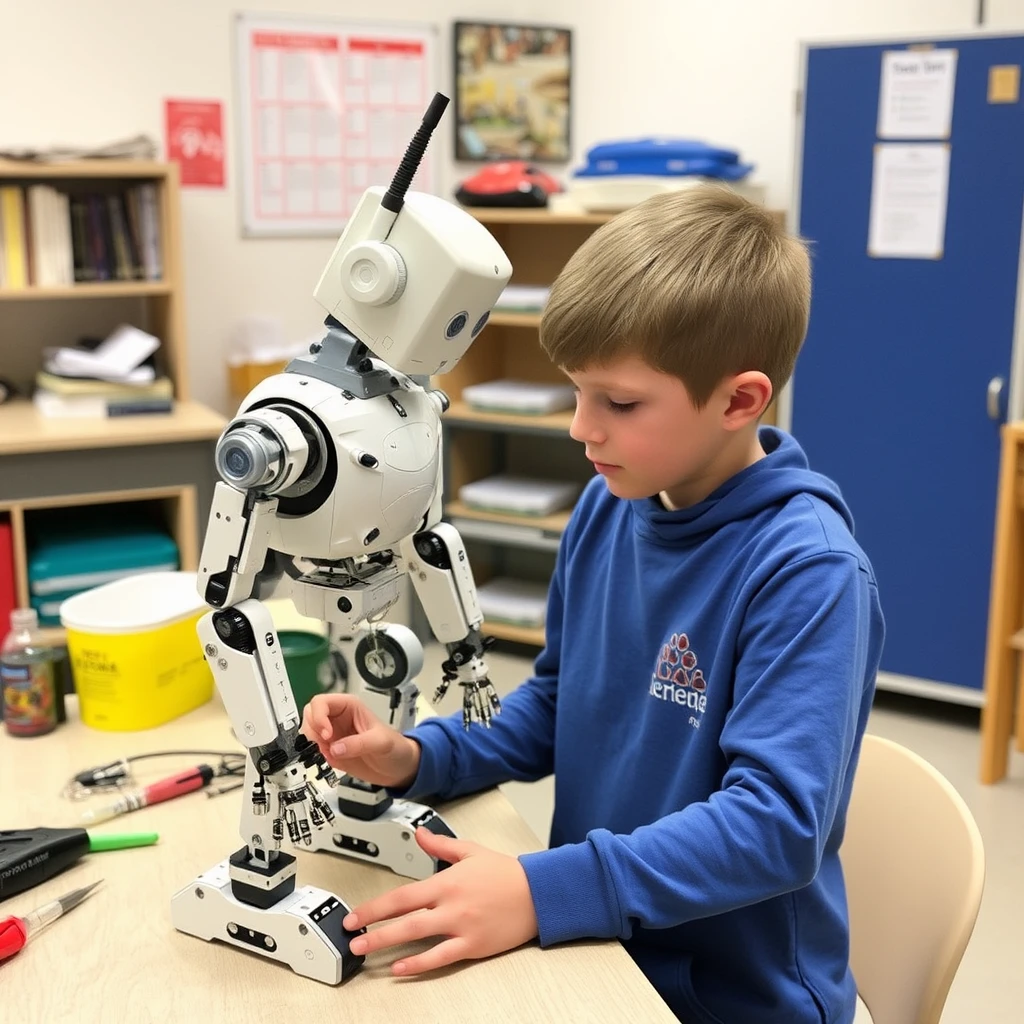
column 582, row 427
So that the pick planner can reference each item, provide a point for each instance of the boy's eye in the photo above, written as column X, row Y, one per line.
column 622, row 406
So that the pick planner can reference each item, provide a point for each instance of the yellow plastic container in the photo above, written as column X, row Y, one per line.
column 134, row 650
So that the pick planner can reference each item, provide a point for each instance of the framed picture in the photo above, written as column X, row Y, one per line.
column 512, row 92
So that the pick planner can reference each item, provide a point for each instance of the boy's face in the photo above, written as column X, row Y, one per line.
column 644, row 435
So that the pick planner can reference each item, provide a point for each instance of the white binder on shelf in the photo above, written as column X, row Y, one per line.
column 514, row 602
column 514, row 495
column 520, row 397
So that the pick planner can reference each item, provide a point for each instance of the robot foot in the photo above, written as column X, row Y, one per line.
column 302, row 930
column 387, row 839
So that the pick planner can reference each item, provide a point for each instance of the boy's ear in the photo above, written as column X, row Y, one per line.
column 748, row 395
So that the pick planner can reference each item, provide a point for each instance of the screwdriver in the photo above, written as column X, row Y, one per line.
column 31, row 856
column 16, row 931
column 166, row 789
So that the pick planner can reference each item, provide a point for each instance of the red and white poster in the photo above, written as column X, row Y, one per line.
column 194, row 140
column 327, row 109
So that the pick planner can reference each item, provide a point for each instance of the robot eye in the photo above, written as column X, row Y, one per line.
column 238, row 461
column 456, row 324
column 479, row 325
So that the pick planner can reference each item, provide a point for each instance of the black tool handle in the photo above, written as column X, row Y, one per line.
column 29, row 857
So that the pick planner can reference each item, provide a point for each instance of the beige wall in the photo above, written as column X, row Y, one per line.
column 85, row 72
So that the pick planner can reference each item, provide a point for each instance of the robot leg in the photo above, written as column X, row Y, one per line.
column 250, row 900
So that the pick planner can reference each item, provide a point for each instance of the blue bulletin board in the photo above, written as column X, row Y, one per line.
column 909, row 366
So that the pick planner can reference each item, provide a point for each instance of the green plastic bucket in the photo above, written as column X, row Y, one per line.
column 310, row 664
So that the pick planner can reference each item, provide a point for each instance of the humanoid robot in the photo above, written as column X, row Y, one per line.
column 330, row 494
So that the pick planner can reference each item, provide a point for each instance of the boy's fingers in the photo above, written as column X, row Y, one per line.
column 443, row 847
column 403, row 900
column 361, row 745
column 317, row 717
column 441, row 955
column 408, row 929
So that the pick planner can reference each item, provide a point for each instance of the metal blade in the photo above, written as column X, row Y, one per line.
column 71, row 900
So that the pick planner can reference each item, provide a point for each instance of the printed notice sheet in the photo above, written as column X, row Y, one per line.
column 909, row 194
column 916, row 96
column 326, row 109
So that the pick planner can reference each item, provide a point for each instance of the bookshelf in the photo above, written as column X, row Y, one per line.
column 163, row 462
column 479, row 444
column 154, row 305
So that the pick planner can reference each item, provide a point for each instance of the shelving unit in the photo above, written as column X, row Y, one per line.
column 478, row 444
column 174, row 507
column 162, row 461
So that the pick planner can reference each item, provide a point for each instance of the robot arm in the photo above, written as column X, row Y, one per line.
column 235, row 547
column 436, row 562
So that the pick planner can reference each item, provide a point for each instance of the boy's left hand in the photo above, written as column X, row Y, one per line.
column 482, row 903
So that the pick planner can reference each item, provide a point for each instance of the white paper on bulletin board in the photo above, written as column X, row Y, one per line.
column 326, row 108
column 915, row 98
column 909, row 197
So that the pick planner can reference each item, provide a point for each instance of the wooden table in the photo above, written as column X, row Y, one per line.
column 1004, row 654
column 118, row 958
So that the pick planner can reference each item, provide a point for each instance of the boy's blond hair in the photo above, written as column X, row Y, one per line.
column 700, row 283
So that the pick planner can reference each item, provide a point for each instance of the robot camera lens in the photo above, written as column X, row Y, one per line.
column 237, row 461
column 456, row 324
column 479, row 325
column 244, row 457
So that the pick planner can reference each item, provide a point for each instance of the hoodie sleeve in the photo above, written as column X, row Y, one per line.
column 518, row 747
column 807, row 651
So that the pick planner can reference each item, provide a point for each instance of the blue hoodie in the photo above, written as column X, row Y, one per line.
column 701, row 700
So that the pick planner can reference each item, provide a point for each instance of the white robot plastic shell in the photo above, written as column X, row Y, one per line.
column 392, row 497
column 458, row 270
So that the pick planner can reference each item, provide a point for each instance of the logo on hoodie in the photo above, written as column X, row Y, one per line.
column 678, row 680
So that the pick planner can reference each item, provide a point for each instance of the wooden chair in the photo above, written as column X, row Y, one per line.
column 915, row 869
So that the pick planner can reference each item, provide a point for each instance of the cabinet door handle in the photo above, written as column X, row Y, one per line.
column 995, row 391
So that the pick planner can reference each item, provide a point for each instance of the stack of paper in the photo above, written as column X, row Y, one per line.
column 516, row 602
column 519, row 396
column 514, row 495
column 110, row 380
column 119, row 358
column 522, row 298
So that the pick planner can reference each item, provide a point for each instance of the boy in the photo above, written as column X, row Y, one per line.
column 713, row 634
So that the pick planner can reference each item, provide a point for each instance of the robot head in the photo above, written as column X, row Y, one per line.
column 415, row 288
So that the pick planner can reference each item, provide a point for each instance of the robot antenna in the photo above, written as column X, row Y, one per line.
column 395, row 195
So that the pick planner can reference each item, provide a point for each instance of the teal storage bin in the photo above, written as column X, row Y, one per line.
column 79, row 551
column 48, row 606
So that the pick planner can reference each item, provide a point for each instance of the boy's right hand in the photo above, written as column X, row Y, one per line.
column 355, row 741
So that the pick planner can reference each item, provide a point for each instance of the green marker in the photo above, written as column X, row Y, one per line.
column 99, row 842
column 31, row 856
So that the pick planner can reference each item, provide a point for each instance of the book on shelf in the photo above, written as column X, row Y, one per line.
column 15, row 242
column 161, row 387
column 97, row 406
column 53, row 238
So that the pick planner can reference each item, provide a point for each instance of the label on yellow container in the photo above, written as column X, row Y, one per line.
column 139, row 680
